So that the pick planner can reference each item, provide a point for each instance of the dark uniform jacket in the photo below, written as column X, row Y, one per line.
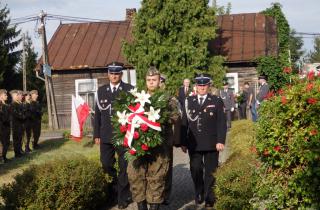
column 36, row 110
column 203, row 126
column 18, row 115
column 4, row 115
column 228, row 99
column 263, row 91
column 103, row 111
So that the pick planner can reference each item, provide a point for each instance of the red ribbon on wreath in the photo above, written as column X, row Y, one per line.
column 134, row 120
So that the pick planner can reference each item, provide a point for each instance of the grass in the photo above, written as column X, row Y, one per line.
column 50, row 149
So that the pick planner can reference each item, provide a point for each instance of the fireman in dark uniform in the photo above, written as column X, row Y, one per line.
column 203, row 136
column 36, row 115
column 4, row 124
column 18, row 118
column 28, row 120
column 103, row 133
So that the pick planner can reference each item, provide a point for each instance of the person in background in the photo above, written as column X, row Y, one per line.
column 228, row 100
column 103, row 134
column 203, row 136
column 4, row 124
column 251, row 103
column 18, row 118
column 263, row 90
column 36, row 116
column 243, row 99
column 28, row 121
column 184, row 91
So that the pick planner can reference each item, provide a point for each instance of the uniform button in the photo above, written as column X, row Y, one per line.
column 199, row 112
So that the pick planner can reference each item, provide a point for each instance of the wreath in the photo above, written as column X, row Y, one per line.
column 139, row 121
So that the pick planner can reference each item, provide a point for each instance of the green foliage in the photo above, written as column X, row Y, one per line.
column 8, row 56
column 295, row 46
column 272, row 67
column 314, row 56
column 75, row 183
column 173, row 36
column 288, row 133
column 235, row 178
column 150, row 138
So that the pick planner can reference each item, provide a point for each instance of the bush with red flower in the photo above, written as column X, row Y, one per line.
column 139, row 121
column 288, row 145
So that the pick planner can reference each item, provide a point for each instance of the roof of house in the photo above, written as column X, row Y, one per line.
column 241, row 38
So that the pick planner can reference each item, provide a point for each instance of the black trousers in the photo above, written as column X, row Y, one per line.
column 28, row 128
column 243, row 111
column 228, row 116
column 17, row 133
column 108, row 160
column 5, row 139
column 36, row 131
column 202, row 166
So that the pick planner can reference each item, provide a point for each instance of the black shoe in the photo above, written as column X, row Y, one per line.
column 123, row 205
column 142, row 205
column 5, row 160
column 19, row 155
column 36, row 146
column 154, row 206
column 27, row 150
column 199, row 199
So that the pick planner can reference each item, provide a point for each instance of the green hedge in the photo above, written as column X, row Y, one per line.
column 235, row 178
column 288, row 144
column 76, row 183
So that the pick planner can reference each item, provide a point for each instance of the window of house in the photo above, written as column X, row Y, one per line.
column 233, row 82
column 87, row 88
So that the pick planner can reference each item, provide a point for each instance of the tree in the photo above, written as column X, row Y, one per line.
column 314, row 56
column 9, row 57
column 295, row 46
column 173, row 36
column 33, row 83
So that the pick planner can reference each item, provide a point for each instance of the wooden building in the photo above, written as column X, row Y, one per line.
column 80, row 52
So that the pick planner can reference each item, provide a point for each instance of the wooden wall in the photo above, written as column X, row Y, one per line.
column 64, row 88
column 245, row 74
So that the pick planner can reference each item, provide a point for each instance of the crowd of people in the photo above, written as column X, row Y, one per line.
column 199, row 128
column 22, row 119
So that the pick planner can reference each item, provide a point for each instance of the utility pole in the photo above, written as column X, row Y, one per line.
column 24, row 61
column 52, row 112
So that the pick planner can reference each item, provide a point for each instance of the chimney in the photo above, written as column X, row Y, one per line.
column 130, row 13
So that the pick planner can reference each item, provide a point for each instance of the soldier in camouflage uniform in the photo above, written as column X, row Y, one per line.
column 18, row 118
column 27, row 123
column 4, row 124
column 147, row 175
column 36, row 115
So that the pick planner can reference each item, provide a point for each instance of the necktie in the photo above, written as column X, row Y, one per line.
column 186, row 90
column 201, row 101
column 114, row 89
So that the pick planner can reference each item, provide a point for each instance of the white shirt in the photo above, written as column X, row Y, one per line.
column 116, row 86
column 204, row 98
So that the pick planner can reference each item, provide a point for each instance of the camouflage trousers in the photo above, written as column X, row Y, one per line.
column 147, row 178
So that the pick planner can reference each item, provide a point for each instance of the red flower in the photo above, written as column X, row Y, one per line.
column 136, row 135
column 276, row 148
column 284, row 100
column 287, row 70
column 144, row 127
column 280, row 91
column 309, row 86
column 123, row 128
column 144, row 147
column 132, row 152
column 312, row 100
column 269, row 95
column 266, row 152
column 125, row 144
column 310, row 75
column 313, row 132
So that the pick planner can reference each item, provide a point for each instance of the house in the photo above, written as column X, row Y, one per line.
column 80, row 52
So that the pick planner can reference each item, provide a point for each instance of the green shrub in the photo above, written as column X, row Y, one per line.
column 75, row 183
column 235, row 178
column 288, row 144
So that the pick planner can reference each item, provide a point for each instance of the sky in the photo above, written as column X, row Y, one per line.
column 303, row 15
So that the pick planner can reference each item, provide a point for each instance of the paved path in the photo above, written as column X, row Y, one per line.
column 182, row 196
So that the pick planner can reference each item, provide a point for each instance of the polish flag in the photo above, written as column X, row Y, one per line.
column 79, row 114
